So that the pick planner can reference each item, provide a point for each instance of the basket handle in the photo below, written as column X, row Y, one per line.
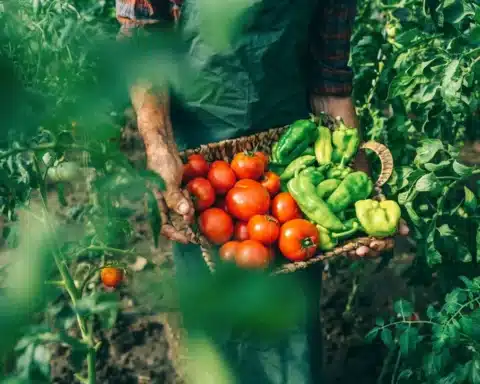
column 386, row 160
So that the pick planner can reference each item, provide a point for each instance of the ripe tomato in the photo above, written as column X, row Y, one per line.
column 221, row 203
column 264, row 157
column 284, row 208
column 247, row 165
column 216, row 225
column 298, row 239
column 196, row 166
column 246, row 199
column 221, row 176
column 202, row 192
column 252, row 254
column 229, row 250
column 111, row 276
column 263, row 228
column 271, row 181
column 241, row 231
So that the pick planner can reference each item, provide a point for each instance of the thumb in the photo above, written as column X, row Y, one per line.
column 177, row 201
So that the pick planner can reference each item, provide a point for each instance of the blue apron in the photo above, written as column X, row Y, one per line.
column 258, row 85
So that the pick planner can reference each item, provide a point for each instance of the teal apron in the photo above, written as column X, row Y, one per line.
column 260, row 84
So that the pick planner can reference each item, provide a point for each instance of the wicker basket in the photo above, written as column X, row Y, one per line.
column 225, row 150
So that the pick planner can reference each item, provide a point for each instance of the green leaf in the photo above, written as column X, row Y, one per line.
column 470, row 201
column 427, row 151
column 154, row 217
column 408, row 341
column 431, row 312
column 474, row 375
column 387, row 337
column 427, row 183
column 416, row 219
column 105, row 305
column 461, row 170
column 403, row 308
column 433, row 167
column 380, row 321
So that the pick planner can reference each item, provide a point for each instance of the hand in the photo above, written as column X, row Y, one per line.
column 164, row 159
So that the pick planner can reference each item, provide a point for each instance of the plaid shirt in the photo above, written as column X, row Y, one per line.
column 329, row 37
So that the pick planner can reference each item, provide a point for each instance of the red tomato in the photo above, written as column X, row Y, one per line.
column 298, row 240
column 196, row 166
column 229, row 250
column 241, row 231
column 252, row 254
column 111, row 276
column 264, row 157
column 221, row 176
column 216, row 225
column 263, row 228
column 271, row 181
column 246, row 199
column 247, row 165
column 284, row 208
column 221, row 203
column 203, row 194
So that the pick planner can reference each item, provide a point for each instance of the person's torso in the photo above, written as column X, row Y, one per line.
column 259, row 84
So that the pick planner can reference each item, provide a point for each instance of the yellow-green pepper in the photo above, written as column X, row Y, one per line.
column 356, row 186
column 378, row 219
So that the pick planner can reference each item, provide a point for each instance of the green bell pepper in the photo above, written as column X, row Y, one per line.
column 339, row 172
column 314, row 174
column 345, row 142
column 356, row 186
column 323, row 146
column 315, row 208
column 296, row 166
column 329, row 240
column 296, row 139
column 308, row 151
column 326, row 187
column 378, row 219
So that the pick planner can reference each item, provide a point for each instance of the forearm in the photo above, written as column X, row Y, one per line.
column 153, row 116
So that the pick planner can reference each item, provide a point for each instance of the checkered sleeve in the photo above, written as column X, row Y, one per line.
column 330, row 35
column 134, row 14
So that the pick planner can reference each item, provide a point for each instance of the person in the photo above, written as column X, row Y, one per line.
column 289, row 60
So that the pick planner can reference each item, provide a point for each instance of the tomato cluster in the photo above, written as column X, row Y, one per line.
column 241, row 209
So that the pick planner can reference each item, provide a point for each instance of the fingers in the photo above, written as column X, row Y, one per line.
column 179, row 202
column 403, row 229
column 168, row 230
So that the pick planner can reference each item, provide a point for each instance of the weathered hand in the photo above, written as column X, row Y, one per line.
column 377, row 247
column 164, row 160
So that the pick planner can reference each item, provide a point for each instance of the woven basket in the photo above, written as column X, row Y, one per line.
column 225, row 150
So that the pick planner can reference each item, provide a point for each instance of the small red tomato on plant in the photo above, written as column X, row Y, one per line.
column 111, row 276
column 246, row 199
column 252, row 254
column 247, row 165
column 228, row 250
column 202, row 192
column 221, row 176
column 241, row 231
column 298, row 240
column 264, row 157
column 216, row 225
column 284, row 208
column 196, row 166
column 263, row 228
column 271, row 181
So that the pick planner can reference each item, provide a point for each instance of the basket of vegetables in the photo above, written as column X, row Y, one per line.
column 289, row 197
